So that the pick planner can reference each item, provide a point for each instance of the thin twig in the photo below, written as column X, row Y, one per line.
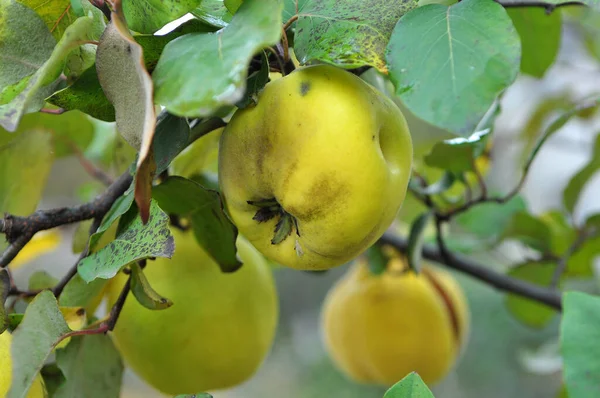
column 19, row 230
column 90, row 167
column 479, row 271
column 73, row 270
column 561, row 265
column 289, row 22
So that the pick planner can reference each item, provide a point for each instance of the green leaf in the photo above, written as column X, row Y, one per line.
column 135, row 241
column 581, row 263
column 53, row 378
column 87, row 96
column 591, row 3
column 489, row 220
column 71, row 130
column 153, row 46
column 589, row 24
column 348, row 34
column 43, row 82
column 292, row 8
column 530, row 230
column 448, row 64
column 212, row 228
column 223, row 58
column 213, row 12
column 457, row 154
column 143, row 292
column 578, row 181
column 171, row 137
column 33, row 341
column 540, row 38
column 14, row 320
column 21, row 55
column 441, row 185
column 527, row 311
column 579, row 344
column 148, row 16
column 199, row 395
column 200, row 156
column 416, row 239
column 562, row 232
column 24, row 167
column 255, row 84
column 119, row 207
column 78, row 293
column 40, row 280
column 377, row 259
column 92, row 367
column 411, row 386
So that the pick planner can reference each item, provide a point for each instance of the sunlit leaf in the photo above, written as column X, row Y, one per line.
column 213, row 12
column 223, row 58
column 349, row 34
column 148, row 16
column 43, row 242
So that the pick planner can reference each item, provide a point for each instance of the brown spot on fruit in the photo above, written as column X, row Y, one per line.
column 304, row 88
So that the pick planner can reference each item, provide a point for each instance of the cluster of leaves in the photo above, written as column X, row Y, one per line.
column 102, row 72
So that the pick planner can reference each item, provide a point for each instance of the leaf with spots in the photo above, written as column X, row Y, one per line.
column 212, row 228
column 41, row 329
column 128, row 86
column 448, row 64
column 292, row 8
column 411, row 386
column 148, row 16
column 134, row 241
column 349, row 34
column 92, row 368
column 42, row 83
column 223, row 58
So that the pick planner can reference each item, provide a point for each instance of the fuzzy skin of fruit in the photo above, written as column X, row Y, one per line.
column 37, row 389
column 332, row 151
column 379, row 328
column 218, row 331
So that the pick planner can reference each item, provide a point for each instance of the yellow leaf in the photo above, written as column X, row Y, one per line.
column 75, row 317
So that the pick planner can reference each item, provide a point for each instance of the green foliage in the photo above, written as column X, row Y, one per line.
column 38, row 333
column 204, row 209
column 91, row 364
column 579, row 346
column 578, row 181
column 411, row 386
column 457, row 155
column 416, row 239
column 148, row 16
column 143, row 292
column 540, row 38
column 457, row 61
column 527, row 311
column 349, row 34
column 223, row 57
column 134, row 241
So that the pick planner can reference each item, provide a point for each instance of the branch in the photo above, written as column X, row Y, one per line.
column 481, row 272
column 19, row 230
column 547, row 6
